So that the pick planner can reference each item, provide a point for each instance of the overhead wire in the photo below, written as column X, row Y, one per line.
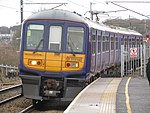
column 124, row 13
column 8, row 7
column 130, row 10
column 78, row 4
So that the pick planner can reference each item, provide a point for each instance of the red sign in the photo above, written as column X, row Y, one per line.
column 147, row 38
column 133, row 52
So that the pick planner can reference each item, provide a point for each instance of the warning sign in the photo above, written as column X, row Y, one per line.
column 133, row 52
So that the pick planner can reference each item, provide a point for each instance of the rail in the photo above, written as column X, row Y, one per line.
column 6, row 90
column 10, row 99
column 28, row 109
column 10, row 88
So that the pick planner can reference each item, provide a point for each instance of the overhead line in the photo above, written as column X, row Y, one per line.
column 78, row 4
column 12, row 8
column 129, row 10
column 44, row 3
column 129, row 1
column 57, row 6
column 8, row 7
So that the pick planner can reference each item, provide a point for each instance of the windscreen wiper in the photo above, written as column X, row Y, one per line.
column 70, row 44
column 38, row 46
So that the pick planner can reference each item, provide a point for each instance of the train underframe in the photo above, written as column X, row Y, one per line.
column 40, row 88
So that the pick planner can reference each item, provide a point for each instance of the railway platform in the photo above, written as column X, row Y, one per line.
column 113, row 95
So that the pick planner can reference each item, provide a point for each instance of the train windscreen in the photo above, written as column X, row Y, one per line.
column 35, row 37
column 75, row 36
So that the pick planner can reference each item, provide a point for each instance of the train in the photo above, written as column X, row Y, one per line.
column 62, row 52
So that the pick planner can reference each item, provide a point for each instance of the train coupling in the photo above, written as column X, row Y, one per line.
column 51, row 93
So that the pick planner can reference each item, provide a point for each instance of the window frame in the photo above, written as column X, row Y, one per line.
column 26, row 36
column 66, row 41
column 60, row 47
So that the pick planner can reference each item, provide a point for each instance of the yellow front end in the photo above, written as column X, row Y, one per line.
column 53, row 62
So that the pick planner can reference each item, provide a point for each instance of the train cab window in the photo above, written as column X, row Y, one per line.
column 75, row 36
column 55, row 35
column 35, row 36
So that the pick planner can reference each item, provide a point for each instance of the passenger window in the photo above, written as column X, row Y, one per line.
column 107, row 43
column 116, row 43
column 122, row 40
column 93, row 43
column 55, row 35
column 104, row 48
column 99, row 43
column 112, row 42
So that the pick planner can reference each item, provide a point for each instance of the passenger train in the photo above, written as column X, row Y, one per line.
column 62, row 51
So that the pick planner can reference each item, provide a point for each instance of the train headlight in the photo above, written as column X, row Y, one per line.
column 35, row 62
column 72, row 64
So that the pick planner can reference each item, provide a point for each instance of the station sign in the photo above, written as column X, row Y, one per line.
column 133, row 52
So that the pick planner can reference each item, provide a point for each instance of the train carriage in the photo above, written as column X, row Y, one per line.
column 61, row 51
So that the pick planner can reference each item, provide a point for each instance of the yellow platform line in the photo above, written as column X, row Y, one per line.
column 127, row 96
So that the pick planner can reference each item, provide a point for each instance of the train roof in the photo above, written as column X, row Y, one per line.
column 71, row 16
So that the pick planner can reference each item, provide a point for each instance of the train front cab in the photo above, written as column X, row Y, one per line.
column 52, row 62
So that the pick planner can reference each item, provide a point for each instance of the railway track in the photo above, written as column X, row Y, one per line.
column 10, row 88
column 11, row 97
column 28, row 109
column 10, row 93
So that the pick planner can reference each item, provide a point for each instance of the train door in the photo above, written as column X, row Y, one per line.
column 106, row 49
column 109, row 49
column 96, row 51
column 103, row 50
column 116, row 47
column 112, row 51
column 54, row 55
column 99, row 50
column 93, row 50
column 119, row 46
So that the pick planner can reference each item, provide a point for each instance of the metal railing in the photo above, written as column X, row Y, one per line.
column 6, row 69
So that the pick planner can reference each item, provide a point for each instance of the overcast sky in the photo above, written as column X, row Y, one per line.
column 10, row 9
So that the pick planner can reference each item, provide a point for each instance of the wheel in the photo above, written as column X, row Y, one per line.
column 36, row 103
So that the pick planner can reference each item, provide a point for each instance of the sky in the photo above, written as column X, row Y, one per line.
column 10, row 9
